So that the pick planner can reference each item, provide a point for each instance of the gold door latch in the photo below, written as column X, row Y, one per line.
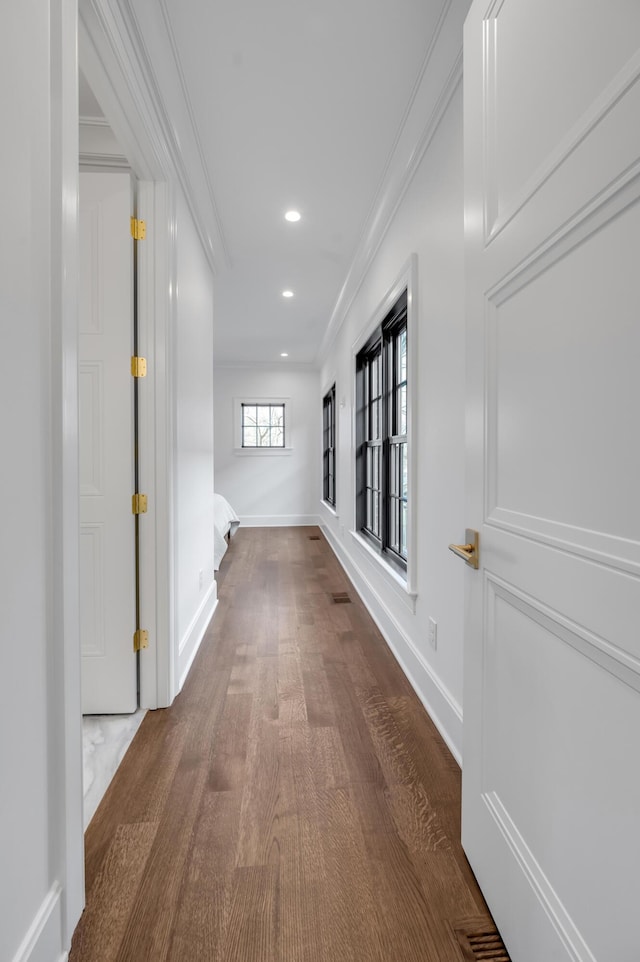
column 469, row 552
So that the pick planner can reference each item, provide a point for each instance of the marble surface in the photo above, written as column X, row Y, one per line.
column 105, row 739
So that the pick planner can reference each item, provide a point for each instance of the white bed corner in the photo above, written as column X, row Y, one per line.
column 225, row 525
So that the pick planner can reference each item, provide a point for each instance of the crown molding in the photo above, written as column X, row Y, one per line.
column 110, row 161
column 438, row 79
column 187, row 172
column 120, row 70
column 86, row 121
column 213, row 246
column 98, row 147
column 112, row 68
column 194, row 128
column 279, row 366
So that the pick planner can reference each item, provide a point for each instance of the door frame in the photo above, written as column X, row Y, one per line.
column 105, row 58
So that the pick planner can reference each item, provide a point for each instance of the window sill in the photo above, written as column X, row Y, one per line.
column 397, row 583
column 262, row 452
column 330, row 508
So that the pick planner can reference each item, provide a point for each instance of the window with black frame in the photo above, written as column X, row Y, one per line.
column 262, row 425
column 328, row 445
column 381, row 451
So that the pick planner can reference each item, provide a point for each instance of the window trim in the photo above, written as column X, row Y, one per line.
column 407, row 280
column 329, row 453
column 263, row 452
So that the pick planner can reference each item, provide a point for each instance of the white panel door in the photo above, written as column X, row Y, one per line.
column 551, row 775
column 107, row 547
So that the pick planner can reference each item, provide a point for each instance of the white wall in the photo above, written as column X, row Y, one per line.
column 40, row 739
column 270, row 489
column 193, row 359
column 429, row 222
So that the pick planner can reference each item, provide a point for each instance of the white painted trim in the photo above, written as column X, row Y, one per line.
column 439, row 78
column 156, row 451
column 407, row 279
column 394, row 579
column 171, row 440
column 113, row 72
column 262, row 452
column 194, row 634
column 438, row 701
column 65, row 901
column 99, row 148
column 278, row 520
column 196, row 133
column 329, row 509
column 566, row 930
column 99, row 162
column 330, row 381
column 86, row 121
column 110, row 63
column 127, row 58
column 266, row 366
column 43, row 941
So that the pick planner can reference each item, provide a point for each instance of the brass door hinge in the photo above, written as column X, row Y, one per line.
column 139, row 504
column 138, row 229
column 140, row 639
column 139, row 366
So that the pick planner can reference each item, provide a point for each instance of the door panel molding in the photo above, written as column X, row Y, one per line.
column 619, row 554
column 622, row 551
column 620, row 663
column 92, row 613
column 618, row 94
column 564, row 926
column 91, row 407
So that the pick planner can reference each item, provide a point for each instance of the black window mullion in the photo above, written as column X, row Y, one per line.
column 328, row 446
column 393, row 494
column 383, row 350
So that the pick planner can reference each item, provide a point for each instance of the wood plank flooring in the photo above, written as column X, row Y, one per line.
column 295, row 804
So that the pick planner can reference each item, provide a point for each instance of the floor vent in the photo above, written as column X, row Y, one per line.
column 340, row 598
column 314, row 537
column 481, row 942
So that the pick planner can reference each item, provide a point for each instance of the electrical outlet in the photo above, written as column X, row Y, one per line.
column 433, row 634
column 201, row 578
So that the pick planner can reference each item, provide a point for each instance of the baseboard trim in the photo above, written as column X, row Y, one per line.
column 278, row 520
column 43, row 941
column 438, row 701
column 194, row 634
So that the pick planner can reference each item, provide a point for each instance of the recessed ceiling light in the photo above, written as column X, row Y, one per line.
column 287, row 293
column 284, row 354
column 292, row 216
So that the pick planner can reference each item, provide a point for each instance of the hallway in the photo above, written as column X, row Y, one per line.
column 296, row 804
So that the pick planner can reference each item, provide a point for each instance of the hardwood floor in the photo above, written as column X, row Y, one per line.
column 296, row 804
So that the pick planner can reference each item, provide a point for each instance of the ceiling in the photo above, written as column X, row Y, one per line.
column 292, row 104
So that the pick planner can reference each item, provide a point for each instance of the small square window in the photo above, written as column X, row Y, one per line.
column 262, row 425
